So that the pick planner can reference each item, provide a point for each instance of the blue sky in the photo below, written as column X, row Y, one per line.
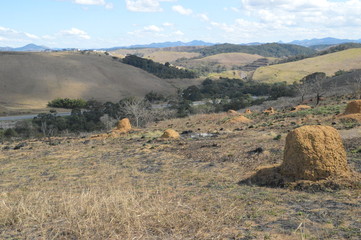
column 108, row 23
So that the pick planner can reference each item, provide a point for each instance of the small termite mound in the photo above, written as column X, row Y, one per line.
column 239, row 119
column 352, row 112
column 353, row 107
column 300, row 107
column 170, row 134
column 270, row 110
column 247, row 111
column 232, row 112
column 124, row 125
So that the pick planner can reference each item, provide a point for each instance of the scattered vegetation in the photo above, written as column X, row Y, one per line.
column 235, row 94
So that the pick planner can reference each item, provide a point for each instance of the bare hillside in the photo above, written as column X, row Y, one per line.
column 231, row 59
column 35, row 78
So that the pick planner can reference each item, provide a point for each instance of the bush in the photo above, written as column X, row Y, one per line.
column 10, row 132
column 24, row 128
column 67, row 103
column 154, row 97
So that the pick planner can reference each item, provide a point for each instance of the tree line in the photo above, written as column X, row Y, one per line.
column 165, row 71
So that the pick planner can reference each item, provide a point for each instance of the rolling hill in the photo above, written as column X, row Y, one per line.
column 294, row 71
column 32, row 79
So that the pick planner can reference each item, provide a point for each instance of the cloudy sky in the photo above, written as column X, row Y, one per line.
column 108, row 23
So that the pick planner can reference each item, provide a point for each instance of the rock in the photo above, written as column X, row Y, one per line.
column 170, row 133
column 187, row 132
column 20, row 145
column 314, row 153
column 256, row 151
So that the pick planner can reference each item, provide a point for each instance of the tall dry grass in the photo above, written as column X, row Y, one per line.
column 110, row 213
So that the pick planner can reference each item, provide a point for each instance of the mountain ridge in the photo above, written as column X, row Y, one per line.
column 305, row 43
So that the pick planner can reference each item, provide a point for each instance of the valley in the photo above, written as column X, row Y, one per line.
column 206, row 165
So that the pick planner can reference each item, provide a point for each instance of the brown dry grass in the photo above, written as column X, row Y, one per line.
column 168, row 56
column 74, row 75
column 139, row 187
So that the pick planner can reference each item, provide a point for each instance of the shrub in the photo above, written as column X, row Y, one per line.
column 10, row 132
column 67, row 103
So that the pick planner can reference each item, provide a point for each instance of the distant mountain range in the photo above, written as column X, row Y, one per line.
column 323, row 41
column 165, row 44
column 27, row 48
column 306, row 43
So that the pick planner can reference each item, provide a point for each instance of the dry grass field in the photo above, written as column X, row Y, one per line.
column 295, row 71
column 231, row 59
column 168, row 56
column 141, row 187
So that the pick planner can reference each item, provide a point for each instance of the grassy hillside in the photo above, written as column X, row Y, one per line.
column 267, row 50
column 294, row 71
column 35, row 78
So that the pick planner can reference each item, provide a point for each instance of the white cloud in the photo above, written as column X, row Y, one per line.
column 109, row 6
column 145, row 5
column 178, row 33
column 10, row 36
column 223, row 26
column 273, row 20
column 155, row 32
column 153, row 28
column 29, row 35
column 302, row 12
column 94, row 2
column 203, row 17
column 234, row 9
column 90, row 2
column 167, row 24
column 181, row 10
column 74, row 32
